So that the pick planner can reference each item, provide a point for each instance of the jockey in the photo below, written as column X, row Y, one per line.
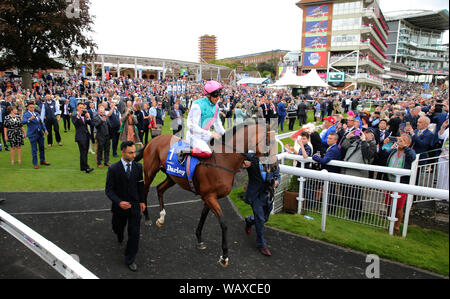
column 203, row 115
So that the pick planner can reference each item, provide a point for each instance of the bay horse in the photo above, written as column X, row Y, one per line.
column 213, row 177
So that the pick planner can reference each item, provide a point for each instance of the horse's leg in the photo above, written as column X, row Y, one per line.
column 216, row 209
column 149, row 176
column 161, row 189
column 198, row 232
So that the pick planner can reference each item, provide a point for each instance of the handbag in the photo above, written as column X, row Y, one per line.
column 121, row 128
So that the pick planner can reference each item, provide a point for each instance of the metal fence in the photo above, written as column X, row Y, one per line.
column 59, row 260
column 358, row 199
column 432, row 173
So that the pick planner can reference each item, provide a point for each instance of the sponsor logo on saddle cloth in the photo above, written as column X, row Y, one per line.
column 174, row 168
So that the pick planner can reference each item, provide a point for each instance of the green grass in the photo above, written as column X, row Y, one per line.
column 422, row 248
column 64, row 173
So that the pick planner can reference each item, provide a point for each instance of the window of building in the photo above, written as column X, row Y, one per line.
column 347, row 8
column 346, row 24
column 345, row 40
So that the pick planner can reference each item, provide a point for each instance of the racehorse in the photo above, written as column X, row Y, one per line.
column 213, row 177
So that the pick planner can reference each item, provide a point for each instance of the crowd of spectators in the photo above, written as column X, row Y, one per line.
column 123, row 109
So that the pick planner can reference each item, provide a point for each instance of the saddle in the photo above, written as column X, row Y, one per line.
column 180, row 163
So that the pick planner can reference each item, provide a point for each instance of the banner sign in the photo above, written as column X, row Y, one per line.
column 315, row 36
column 336, row 77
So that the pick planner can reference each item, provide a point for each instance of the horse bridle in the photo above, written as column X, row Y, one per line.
column 236, row 150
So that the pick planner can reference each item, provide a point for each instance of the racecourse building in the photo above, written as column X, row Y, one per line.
column 415, row 44
column 107, row 66
column 346, row 37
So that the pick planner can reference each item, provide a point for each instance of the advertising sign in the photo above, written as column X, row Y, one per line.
column 316, row 59
column 317, row 13
column 315, row 40
column 336, row 77
column 317, row 28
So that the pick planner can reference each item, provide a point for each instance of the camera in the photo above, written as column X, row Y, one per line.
column 393, row 139
column 84, row 112
column 344, row 122
column 358, row 133
column 131, row 112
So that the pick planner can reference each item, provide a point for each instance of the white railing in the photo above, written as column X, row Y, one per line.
column 59, row 260
column 363, row 200
column 432, row 173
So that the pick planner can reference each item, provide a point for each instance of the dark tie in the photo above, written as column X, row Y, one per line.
column 128, row 170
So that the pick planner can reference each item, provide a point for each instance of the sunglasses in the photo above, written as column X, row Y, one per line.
column 216, row 93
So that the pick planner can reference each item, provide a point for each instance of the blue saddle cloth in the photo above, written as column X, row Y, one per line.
column 174, row 168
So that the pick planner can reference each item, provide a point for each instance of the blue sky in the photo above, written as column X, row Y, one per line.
column 171, row 28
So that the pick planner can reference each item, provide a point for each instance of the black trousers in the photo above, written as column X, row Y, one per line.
column 177, row 130
column 291, row 124
column 49, row 124
column 84, row 148
column 3, row 135
column 114, row 134
column 146, row 133
column 302, row 120
column 132, row 218
column 66, row 120
column 103, row 150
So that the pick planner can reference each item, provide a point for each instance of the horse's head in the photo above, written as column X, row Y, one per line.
column 257, row 138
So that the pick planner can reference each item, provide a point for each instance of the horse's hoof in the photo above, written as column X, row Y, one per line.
column 201, row 246
column 159, row 224
column 223, row 262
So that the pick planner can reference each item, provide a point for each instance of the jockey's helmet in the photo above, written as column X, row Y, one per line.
column 212, row 86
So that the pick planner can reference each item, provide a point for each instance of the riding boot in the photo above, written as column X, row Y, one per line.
column 182, row 154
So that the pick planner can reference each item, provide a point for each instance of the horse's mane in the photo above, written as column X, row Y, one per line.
column 236, row 128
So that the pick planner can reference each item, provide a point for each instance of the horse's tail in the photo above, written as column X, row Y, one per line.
column 140, row 153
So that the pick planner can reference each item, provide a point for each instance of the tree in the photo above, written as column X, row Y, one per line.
column 34, row 33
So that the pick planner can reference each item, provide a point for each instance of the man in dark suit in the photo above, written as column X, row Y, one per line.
column 176, row 115
column 101, row 123
column 261, row 183
column 422, row 138
column 125, row 188
column 50, row 113
column 81, row 120
column 114, row 121
column 302, row 113
column 35, row 133
column 333, row 153
column 66, row 114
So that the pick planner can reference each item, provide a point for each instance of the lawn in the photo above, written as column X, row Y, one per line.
column 422, row 248
column 64, row 173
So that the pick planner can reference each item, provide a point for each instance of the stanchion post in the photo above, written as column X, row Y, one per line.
column 392, row 218
column 324, row 203
column 409, row 200
column 301, row 198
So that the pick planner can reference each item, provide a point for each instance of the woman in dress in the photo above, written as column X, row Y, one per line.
column 14, row 133
column 129, row 130
column 240, row 114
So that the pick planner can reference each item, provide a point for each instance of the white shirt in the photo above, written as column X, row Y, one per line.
column 195, row 130
column 125, row 165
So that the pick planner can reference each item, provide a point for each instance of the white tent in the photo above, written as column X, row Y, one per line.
column 312, row 79
column 254, row 81
column 289, row 80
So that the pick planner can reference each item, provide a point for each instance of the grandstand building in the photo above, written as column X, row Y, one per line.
column 345, row 36
column 415, row 44
column 257, row 58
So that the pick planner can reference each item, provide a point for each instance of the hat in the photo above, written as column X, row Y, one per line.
column 330, row 119
column 28, row 103
column 370, row 130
